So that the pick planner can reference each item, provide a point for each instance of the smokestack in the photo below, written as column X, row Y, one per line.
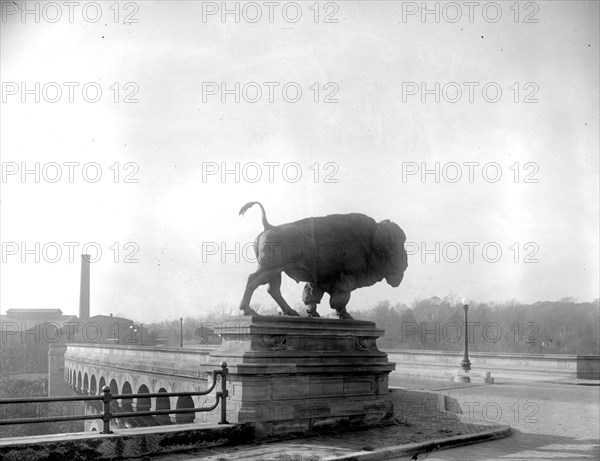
column 84, row 288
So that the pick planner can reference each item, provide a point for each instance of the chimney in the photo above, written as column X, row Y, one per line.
column 84, row 288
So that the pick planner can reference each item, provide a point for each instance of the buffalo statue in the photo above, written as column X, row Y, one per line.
column 334, row 254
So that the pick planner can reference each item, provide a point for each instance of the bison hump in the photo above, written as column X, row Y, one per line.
column 323, row 226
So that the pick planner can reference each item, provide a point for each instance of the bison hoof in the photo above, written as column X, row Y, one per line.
column 248, row 311
column 345, row 316
column 292, row 312
column 313, row 314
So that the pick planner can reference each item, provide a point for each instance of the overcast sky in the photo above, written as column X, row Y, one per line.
column 364, row 150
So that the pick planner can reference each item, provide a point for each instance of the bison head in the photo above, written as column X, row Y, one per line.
column 388, row 243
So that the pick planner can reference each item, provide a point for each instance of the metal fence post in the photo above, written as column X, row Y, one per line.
column 224, row 393
column 106, row 399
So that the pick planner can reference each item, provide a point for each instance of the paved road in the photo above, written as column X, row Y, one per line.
column 549, row 421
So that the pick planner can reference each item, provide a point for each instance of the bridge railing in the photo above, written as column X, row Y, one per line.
column 106, row 398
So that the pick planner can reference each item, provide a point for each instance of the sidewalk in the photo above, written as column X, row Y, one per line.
column 422, row 424
column 578, row 382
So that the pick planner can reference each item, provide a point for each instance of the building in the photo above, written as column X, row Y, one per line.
column 26, row 335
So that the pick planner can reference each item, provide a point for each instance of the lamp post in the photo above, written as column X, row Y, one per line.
column 463, row 374
column 134, row 329
column 466, row 363
column 180, row 331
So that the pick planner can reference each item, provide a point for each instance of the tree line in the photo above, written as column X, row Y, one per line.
column 545, row 327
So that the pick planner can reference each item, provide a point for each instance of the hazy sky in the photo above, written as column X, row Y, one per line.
column 363, row 151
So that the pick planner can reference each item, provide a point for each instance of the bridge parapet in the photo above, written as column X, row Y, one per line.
column 519, row 366
column 161, row 361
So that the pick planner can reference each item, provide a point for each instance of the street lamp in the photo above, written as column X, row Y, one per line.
column 180, row 331
column 466, row 363
column 135, row 329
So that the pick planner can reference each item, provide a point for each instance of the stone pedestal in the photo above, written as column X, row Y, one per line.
column 297, row 374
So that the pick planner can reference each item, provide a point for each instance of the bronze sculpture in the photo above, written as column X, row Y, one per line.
column 334, row 254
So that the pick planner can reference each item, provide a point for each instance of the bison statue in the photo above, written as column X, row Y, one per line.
column 333, row 254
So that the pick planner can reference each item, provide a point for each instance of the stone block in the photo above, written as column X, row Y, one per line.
column 312, row 409
column 347, row 407
column 325, row 386
column 329, row 423
column 267, row 428
column 290, row 387
column 357, row 385
column 251, row 390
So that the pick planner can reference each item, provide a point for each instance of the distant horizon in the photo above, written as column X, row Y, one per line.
column 323, row 308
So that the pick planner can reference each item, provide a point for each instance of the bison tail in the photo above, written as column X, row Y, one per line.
column 248, row 205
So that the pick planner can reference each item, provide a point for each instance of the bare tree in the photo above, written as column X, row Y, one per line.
column 223, row 311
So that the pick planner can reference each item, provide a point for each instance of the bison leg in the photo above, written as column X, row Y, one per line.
column 274, row 284
column 311, row 296
column 338, row 301
column 258, row 278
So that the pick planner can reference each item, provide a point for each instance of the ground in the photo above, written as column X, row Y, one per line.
column 550, row 421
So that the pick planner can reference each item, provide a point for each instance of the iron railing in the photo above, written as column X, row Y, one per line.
column 106, row 398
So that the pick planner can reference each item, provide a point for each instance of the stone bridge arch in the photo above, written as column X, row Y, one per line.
column 101, row 384
column 127, row 403
column 163, row 403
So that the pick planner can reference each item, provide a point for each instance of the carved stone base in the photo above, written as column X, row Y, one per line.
column 297, row 374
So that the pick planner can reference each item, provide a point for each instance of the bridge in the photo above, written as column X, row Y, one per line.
column 131, row 369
